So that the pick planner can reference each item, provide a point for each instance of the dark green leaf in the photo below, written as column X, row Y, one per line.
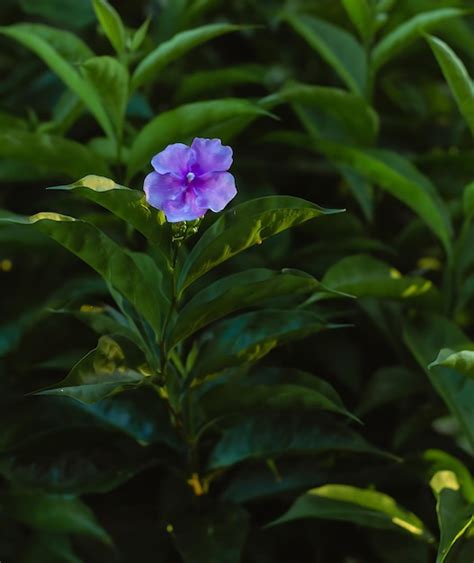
column 336, row 46
column 257, row 437
column 53, row 155
column 176, row 47
column 362, row 16
column 402, row 36
column 425, row 337
column 251, row 336
column 34, row 38
column 181, row 123
column 53, row 513
column 133, row 274
column 242, row 227
column 108, row 369
column 239, row 291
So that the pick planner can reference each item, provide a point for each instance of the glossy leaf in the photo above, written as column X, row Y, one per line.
column 108, row 369
column 455, row 516
column 133, row 274
column 457, row 78
column 182, row 123
column 111, row 23
column 336, row 46
column 402, row 36
column 242, row 227
column 50, row 153
column 176, row 47
column 257, row 437
column 239, row 291
column 110, row 79
column 127, row 204
column 251, row 336
column 360, row 506
column 33, row 38
column 364, row 276
column 53, row 513
column 269, row 389
column 425, row 337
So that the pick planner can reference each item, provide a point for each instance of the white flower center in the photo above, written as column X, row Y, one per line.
column 190, row 177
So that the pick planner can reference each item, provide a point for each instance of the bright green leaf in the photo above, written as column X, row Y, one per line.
column 111, row 23
column 462, row 361
column 359, row 506
column 455, row 516
column 364, row 276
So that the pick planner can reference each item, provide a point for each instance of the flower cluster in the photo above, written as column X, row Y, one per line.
column 188, row 181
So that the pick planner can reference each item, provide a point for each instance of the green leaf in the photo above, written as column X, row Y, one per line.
column 268, row 389
column 110, row 79
column 350, row 109
column 49, row 548
column 364, row 276
column 425, row 337
column 289, row 433
column 362, row 16
column 360, row 506
column 457, row 78
column 244, row 226
column 400, row 178
column 439, row 460
column 194, row 85
column 336, row 46
column 402, row 36
column 181, row 123
column 108, row 369
column 68, row 13
column 53, row 155
column 468, row 201
column 176, row 47
column 127, row 204
column 238, row 291
column 111, row 23
column 455, row 516
column 214, row 533
column 33, row 37
column 462, row 361
column 133, row 274
column 251, row 336
column 53, row 513
column 139, row 35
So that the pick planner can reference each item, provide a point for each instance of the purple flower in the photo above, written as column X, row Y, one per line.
column 188, row 181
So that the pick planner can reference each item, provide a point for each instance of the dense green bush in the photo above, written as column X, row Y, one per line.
column 173, row 398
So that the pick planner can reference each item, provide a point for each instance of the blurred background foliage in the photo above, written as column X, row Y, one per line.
column 332, row 119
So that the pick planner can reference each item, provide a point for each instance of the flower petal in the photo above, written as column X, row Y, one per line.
column 215, row 190
column 210, row 156
column 184, row 208
column 175, row 159
column 160, row 188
